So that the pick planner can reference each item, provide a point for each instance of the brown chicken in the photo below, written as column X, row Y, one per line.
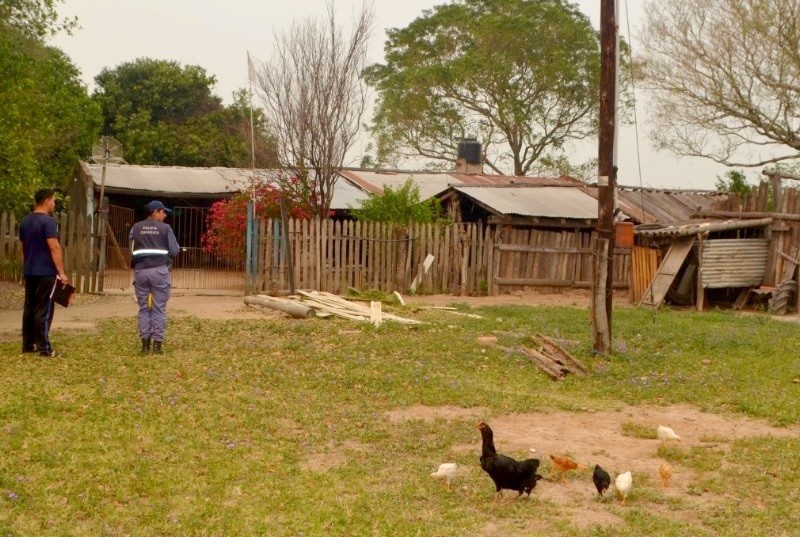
column 562, row 465
column 665, row 471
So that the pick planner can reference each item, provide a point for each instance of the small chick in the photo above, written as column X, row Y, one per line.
column 601, row 479
column 665, row 434
column 624, row 484
column 446, row 471
column 562, row 465
column 665, row 471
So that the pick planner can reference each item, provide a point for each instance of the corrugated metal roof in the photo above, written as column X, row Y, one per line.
column 433, row 183
column 346, row 195
column 546, row 202
column 168, row 180
column 171, row 179
column 646, row 205
column 430, row 183
column 501, row 180
column 693, row 227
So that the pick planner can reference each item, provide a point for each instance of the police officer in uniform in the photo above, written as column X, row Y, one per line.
column 153, row 245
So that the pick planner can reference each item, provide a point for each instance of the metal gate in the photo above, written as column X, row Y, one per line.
column 193, row 269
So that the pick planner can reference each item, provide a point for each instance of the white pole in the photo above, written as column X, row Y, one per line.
column 251, row 75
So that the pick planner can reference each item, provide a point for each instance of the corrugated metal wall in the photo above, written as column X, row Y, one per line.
column 733, row 262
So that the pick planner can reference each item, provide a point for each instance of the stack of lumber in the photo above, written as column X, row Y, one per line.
column 336, row 305
column 553, row 359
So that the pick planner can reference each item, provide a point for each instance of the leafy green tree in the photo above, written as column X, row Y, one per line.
column 520, row 75
column 165, row 113
column 400, row 206
column 733, row 181
column 47, row 120
column 34, row 19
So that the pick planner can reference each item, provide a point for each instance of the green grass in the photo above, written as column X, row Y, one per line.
column 279, row 427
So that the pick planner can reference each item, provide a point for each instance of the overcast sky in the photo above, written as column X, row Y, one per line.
column 217, row 35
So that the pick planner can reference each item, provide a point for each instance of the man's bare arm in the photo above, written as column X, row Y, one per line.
column 58, row 258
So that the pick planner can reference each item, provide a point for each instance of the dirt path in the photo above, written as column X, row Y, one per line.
column 86, row 310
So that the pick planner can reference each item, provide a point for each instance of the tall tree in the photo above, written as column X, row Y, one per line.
column 313, row 94
column 35, row 19
column 165, row 113
column 725, row 78
column 520, row 75
column 47, row 120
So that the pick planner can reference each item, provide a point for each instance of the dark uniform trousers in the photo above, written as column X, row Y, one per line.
column 37, row 314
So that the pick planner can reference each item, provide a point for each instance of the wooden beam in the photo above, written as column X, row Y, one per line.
column 753, row 214
column 541, row 222
column 782, row 175
column 292, row 307
column 533, row 282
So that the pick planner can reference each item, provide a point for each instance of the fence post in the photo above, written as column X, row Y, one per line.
column 102, row 233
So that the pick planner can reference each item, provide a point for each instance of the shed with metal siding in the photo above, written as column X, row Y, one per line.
column 733, row 263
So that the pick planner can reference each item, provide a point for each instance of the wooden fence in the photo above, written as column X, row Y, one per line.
column 468, row 259
column 79, row 246
column 10, row 256
column 332, row 255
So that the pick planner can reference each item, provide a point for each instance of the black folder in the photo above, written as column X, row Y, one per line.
column 62, row 293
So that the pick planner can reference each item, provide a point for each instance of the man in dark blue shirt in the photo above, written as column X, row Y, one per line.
column 43, row 265
column 153, row 245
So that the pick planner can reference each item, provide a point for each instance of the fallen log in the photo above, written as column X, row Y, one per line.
column 293, row 308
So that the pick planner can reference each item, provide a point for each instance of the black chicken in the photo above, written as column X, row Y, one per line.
column 601, row 479
column 506, row 472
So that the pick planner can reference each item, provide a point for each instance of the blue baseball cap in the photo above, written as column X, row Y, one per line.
column 156, row 205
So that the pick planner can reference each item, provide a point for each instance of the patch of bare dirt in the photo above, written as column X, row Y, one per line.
column 596, row 438
column 87, row 310
column 579, row 298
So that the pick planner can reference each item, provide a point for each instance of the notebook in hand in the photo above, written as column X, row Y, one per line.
column 62, row 293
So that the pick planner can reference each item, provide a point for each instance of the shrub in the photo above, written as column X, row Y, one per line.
column 227, row 220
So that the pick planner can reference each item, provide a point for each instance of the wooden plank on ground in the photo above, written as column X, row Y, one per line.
column 544, row 363
column 560, row 355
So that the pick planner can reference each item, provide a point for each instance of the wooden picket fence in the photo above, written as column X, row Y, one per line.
column 334, row 255
column 468, row 259
column 79, row 246
column 10, row 255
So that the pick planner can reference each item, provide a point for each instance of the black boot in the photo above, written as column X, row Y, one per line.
column 145, row 345
column 157, row 347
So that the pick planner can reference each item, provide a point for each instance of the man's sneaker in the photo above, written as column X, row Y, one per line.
column 48, row 354
column 29, row 350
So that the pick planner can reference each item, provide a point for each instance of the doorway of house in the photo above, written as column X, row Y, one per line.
column 194, row 269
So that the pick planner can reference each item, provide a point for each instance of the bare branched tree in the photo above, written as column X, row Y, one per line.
column 725, row 76
column 314, row 96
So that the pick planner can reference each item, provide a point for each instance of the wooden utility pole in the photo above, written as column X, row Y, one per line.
column 607, row 182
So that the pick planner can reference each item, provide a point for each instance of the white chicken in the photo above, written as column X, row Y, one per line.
column 665, row 434
column 624, row 484
column 446, row 471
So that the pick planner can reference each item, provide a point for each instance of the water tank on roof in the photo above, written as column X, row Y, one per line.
column 470, row 150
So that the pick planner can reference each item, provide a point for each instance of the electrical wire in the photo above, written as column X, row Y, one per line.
column 636, row 132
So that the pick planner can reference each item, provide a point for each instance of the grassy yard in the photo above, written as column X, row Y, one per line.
column 280, row 427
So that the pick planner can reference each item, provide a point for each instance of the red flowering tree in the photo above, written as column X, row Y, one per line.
column 226, row 223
